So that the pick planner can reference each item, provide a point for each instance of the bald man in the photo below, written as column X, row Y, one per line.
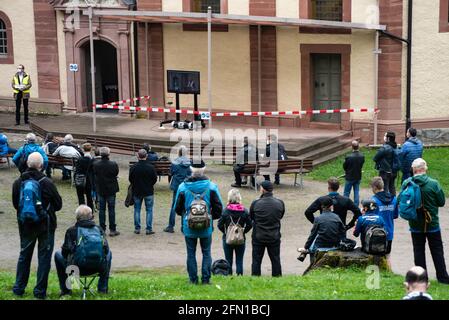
column 416, row 284
column 42, row 231
column 353, row 171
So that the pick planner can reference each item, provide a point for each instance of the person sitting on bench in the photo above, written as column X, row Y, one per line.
column 247, row 154
column 84, row 246
column 4, row 146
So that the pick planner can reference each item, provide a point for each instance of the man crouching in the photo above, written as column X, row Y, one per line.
column 85, row 247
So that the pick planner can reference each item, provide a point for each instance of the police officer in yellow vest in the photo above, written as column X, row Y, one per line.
column 21, row 84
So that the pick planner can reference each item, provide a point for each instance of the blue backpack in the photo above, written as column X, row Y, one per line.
column 30, row 202
column 410, row 200
column 89, row 252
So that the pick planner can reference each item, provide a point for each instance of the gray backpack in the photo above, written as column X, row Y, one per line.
column 375, row 241
column 198, row 218
column 235, row 233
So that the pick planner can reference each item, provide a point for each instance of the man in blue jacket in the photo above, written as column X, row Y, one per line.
column 28, row 148
column 4, row 146
column 198, row 187
column 179, row 171
column 368, row 219
column 411, row 150
column 387, row 208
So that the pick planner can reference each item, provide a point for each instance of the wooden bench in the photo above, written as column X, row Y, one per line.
column 38, row 130
column 58, row 161
column 162, row 168
column 8, row 158
column 294, row 166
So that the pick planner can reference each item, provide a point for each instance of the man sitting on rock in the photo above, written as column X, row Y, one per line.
column 328, row 230
column 369, row 219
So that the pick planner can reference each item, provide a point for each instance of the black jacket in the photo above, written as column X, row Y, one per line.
column 238, row 216
column 84, row 165
column 266, row 214
column 106, row 172
column 142, row 177
column 341, row 207
column 282, row 154
column 328, row 230
column 384, row 158
column 50, row 199
column 69, row 246
column 353, row 166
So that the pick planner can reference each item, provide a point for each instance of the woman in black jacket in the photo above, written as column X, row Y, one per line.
column 235, row 213
column 84, row 170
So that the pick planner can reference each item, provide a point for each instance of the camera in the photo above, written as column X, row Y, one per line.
column 303, row 255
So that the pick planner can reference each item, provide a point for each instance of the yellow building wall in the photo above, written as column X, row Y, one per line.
column 22, row 22
column 238, row 7
column 287, row 9
column 231, row 87
column 365, row 11
column 430, row 61
column 172, row 5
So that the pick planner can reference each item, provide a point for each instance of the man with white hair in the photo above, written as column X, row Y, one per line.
column 30, row 146
column 198, row 201
column 68, row 149
column 416, row 284
column 106, row 186
column 36, row 200
column 71, row 251
column 427, row 226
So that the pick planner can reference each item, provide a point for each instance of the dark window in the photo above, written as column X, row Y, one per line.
column 331, row 10
column 202, row 5
column 3, row 39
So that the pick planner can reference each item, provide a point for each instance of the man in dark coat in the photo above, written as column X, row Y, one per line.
column 106, row 173
column 275, row 151
column 143, row 177
column 247, row 154
column 266, row 214
column 385, row 162
column 42, row 232
column 411, row 149
column 353, row 171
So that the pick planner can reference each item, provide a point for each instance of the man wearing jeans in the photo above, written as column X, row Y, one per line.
column 427, row 225
column 353, row 171
column 106, row 172
column 143, row 177
column 198, row 188
column 42, row 232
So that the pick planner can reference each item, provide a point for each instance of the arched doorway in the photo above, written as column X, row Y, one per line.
column 106, row 75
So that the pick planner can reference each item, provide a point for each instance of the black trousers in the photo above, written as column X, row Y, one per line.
column 389, row 180
column 87, row 190
column 274, row 252
column 436, row 250
column 238, row 178
column 19, row 99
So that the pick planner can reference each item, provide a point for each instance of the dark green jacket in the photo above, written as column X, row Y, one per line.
column 433, row 198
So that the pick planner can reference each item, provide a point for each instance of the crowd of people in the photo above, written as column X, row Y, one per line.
column 197, row 200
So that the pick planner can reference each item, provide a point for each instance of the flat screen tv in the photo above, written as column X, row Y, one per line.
column 184, row 82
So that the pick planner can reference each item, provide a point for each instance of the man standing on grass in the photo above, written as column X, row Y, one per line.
column 427, row 225
column 411, row 149
column 353, row 171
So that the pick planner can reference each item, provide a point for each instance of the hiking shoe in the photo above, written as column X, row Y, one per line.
column 114, row 233
column 169, row 230
column 137, row 231
column 235, row 185
column 148, row 232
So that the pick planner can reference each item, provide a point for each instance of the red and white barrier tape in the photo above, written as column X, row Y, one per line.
column 123, row 101
column 238, row 113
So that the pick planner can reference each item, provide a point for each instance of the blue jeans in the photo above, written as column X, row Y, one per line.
column 172, row 218
column 229, row 255
column 149, row 209
column 61, row 265
column 348, row 186
column 46, row 241
column 192, row 267
column 110, row 200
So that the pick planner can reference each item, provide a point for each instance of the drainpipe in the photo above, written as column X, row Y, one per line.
column 136, row 57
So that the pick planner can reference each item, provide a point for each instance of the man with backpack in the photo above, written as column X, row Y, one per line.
column 387, row 162
column 198, row 201
column 420, row 198
column 84, row 246
column 371, row 229
column 341, row 205
column 266, row 214
column 36, row 200
column 30, row 146
column 387, row 208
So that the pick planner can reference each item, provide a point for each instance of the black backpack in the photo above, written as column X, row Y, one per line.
column 375, row 240
column 221, row 267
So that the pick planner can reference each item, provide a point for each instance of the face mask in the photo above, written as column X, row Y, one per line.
column 19, row 70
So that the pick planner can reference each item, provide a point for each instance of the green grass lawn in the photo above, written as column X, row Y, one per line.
column 436, row 160
column 344, row 284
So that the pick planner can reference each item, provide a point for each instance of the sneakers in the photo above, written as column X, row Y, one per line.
column 137, row 231
column 169, row 230
column 114, row 233
column 148, row 232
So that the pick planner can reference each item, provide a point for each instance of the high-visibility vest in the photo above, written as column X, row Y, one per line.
column 25, row 81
